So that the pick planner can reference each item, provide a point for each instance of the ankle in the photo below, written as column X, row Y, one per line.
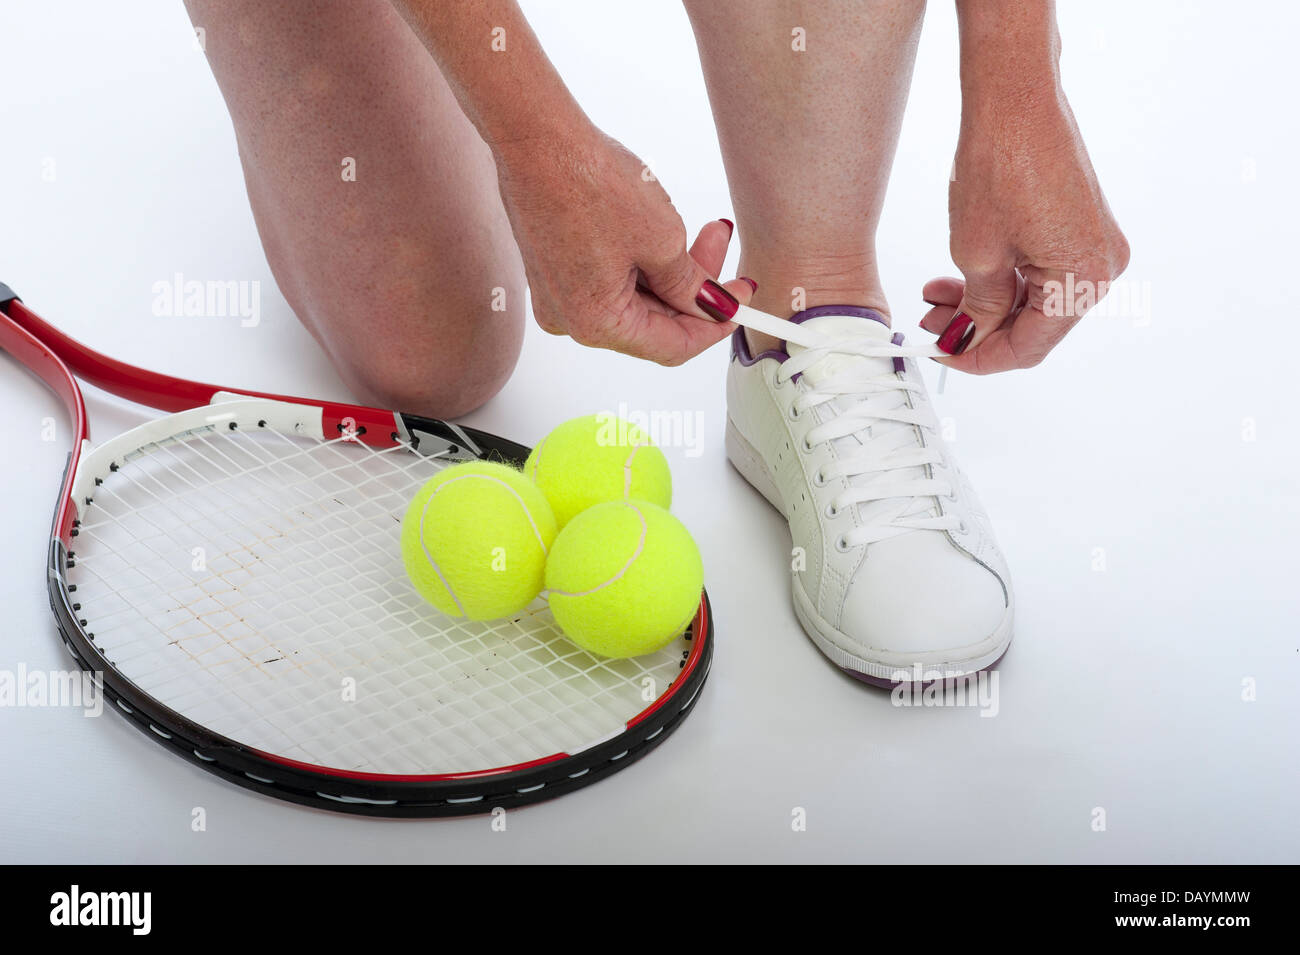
column 784, row 297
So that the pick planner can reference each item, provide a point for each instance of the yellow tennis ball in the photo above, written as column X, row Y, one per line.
column 598, row 458
column 624, row 578
column 475, row 539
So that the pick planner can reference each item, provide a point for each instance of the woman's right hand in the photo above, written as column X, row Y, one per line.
column 605, row 251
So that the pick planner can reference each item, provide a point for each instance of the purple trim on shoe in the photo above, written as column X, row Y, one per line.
column 740, row 350
column 740, row 345
column 899, row 366
column 852, row 311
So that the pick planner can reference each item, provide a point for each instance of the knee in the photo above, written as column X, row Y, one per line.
column 441, row 361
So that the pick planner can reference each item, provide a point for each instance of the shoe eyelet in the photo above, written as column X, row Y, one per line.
column 832, row 511
column 806, row 445
column 819, row 479
column 963, row 528
column 841, row 544
column 794, row 413
column 776, row 381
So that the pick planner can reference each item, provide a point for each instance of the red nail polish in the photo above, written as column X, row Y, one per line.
column 750, row 282
column 719, row 304
column 730, row 225
column 957, row 335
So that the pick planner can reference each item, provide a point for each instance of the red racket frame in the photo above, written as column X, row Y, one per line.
column 54, row 356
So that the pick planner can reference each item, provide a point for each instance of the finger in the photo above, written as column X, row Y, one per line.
column 987, row 301
column 677, row 279
column 943, row 291
column 1022, row 293
column 1022, row 342
column 936, row 319
column 742, row 290
column 710, row 248
column 698, row 336
column 671, row 338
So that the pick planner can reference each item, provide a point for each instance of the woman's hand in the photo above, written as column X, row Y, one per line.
column 605, row 250
column 1028, row 220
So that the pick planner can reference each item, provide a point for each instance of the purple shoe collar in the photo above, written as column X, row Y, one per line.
column 740, row 346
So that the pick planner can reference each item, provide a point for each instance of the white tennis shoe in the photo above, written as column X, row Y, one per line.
column 895, row 572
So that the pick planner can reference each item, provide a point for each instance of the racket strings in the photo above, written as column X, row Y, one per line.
column 166, row 496
column 252, row 581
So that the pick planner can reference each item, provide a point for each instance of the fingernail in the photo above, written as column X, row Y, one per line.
column 730, row 225
column 753, row 286
column 719, row 304
column 957, row 335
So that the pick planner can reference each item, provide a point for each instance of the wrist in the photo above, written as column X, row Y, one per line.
column 1010, row 54
column 558, row 135
column 547, row 164
column 500, row 75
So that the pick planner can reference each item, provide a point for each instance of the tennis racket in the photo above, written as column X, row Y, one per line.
column 232, row 572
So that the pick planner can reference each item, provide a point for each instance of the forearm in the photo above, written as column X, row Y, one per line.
column 1010, row 49
column 498, row 71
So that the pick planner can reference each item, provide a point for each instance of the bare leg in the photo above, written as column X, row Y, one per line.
column 401, row 274
column 808, row 138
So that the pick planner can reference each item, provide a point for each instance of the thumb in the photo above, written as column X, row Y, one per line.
column 685, row 282
column 987, row 301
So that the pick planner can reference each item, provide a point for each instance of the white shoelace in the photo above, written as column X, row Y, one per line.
column 887, row 474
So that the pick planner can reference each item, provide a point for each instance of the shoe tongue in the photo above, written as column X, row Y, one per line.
column 857, row 324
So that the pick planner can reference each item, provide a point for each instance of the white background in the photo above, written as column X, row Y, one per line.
column 1123, row 687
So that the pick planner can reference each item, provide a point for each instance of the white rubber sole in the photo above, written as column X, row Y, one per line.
column 878, row 666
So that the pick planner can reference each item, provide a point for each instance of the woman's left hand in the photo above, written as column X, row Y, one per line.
column 1030, row 231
